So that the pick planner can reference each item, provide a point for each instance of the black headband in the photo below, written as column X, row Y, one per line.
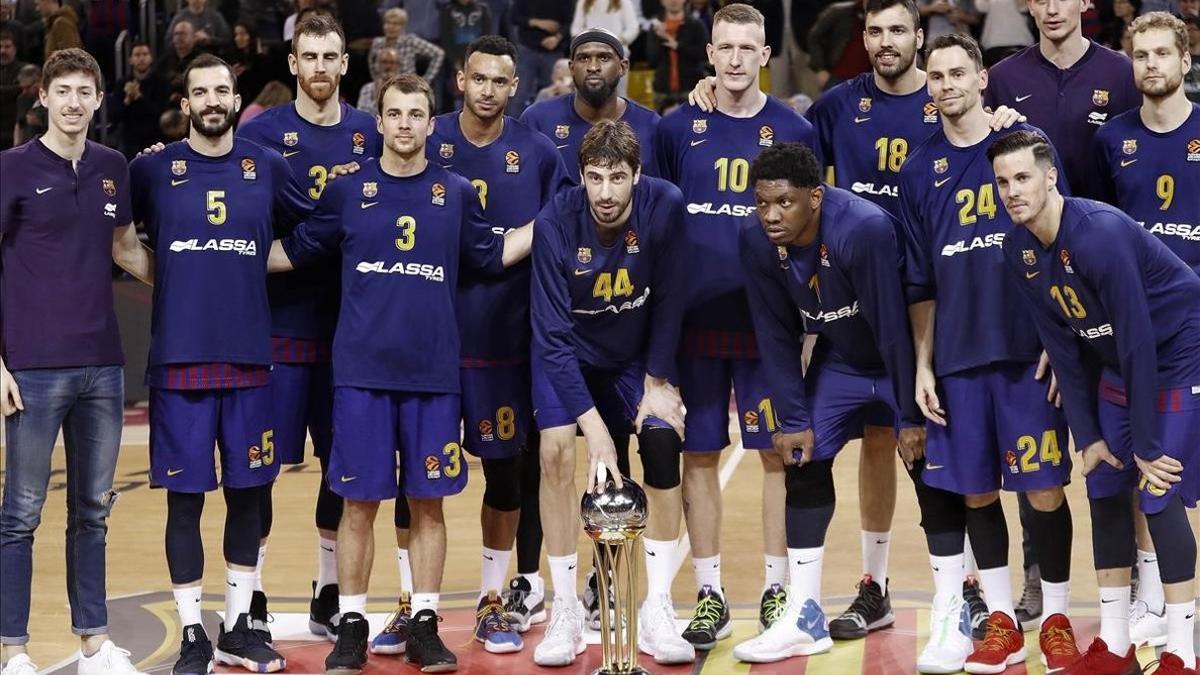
column 598, row 35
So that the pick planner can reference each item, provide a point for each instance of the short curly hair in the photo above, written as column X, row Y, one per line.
column 793, row 162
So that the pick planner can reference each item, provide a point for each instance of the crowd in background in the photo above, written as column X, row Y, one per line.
column 814, row 45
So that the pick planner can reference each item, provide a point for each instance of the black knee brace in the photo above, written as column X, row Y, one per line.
column 266, row 509
column 621, row 443
column 810, row 503
column 403, row 517
column 185, row 547
column 529, row 527
column 329, row 508
column 1174, row 541
column 1112, row 530
column 502, row 483
column 242, row 525
column 988, row 530
column 943, row 515
column 660, row 449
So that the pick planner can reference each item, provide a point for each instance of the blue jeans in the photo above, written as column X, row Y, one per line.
column 86, row 403
column 534, row 68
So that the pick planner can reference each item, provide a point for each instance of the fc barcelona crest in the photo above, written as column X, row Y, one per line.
column 1028, row 256
column 940, row 165
column 370, row 189
column 699, row 126
column 109, row 186
column 864, row 104
column 562, row 131
column 1100, row 97
column 179, row 167
column 291, row 138
column 584, row 255
column 1129, row 146
column 446, row 151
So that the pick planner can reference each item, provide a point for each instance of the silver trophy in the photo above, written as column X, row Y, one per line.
column 614, row 519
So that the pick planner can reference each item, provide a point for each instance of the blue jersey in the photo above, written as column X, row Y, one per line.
column 515, row 175
column 866, row 134
column 209, row 221
column 557, row 119
column 708, row 156
column 606, row 305
column 304, row 302
column 1155, row 178
column 400, row 241
column 954, row 224
column 1109, row 284
column 847, row 286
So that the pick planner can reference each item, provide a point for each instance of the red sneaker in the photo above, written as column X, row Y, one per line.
column 1097, row 660
column 1170, row 664
column 1057, row 641
column 1003, row 646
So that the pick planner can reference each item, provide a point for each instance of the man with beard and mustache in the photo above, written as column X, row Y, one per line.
column 1161, row 195
column 990, row 423
column 208, row 205
column 598, row 62
column 315, row 133
column 516, row 171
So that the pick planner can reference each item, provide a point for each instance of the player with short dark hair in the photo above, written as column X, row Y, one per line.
column 516, row 171
column 401, row 227
column 606, row 320
column 208, row 205
column 991, row 424
column 1094, row 277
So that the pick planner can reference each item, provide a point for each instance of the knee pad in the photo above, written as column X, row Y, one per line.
column 1175, row 542
column 185, row 548
column 810, row 486
column 942, row 512
column 329, row 508
column 243, row 525
column 266, row 509
column 403, row 516
column 1112, row 531
column 502, row 483
column 621, row 443
column 660, row 449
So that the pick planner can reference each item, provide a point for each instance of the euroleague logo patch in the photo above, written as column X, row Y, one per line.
column 439, row 195
column 1193, row 150
column 512, row 162
column 486, row 431
column 359, row 141
column 433, row 467
column 750, row 422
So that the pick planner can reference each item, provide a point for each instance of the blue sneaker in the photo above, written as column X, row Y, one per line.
column 393, row 639
column 492, row 627
column 801, row 631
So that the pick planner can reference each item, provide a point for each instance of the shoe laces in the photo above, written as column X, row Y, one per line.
column 998, row 637
column 974, row 600
column 708, row 613
column 117, row 657
column 867, row 602
column 1031, row 595
column 492, row 615
column 1059, row 642
column 398, row 619
column 774, row 605
column 562, row 620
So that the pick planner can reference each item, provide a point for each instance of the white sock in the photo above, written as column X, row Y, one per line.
column 875, row 548
column 353, row 603
column 262, row 555
column 562, row 576
column 422, row 601
column 660, row 565
column 187, row 603
column 997, row 590
column 947, row 574
column 1114, row 618
column 775, row 570
column 536, row 584
column 1181, row 624
column 495, row 566
column 708, row 572
column 1055, row 598
column 805, row 567
column 970, row 567
column 326, row 563
column 402, row 559
column 239, row 589
column 1150, row 590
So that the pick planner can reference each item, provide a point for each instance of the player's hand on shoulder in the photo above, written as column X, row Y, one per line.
column 704, row 94
column 10, row 393
column 1162, row 472
column 911, row 442
column 1098, row 452
column 343, row 169
column 1004, row 117
column 153, row 149
column 795, row 447
column 927, row 398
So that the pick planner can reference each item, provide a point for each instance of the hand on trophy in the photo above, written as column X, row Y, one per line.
column 601, row 451
column 660, row 399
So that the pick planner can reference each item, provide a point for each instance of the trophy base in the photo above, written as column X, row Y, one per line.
column 632, row 670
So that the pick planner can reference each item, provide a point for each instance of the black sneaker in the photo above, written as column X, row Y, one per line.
column 260, row 618
column 1029, row 609
column 710, row 622
column 195, row 652
column 976, row 607
column 244, row 647
column 323, row 615
column 524, row 606
column 771, row 606
column 349, row 653
column 425, row 648
column 591, row 600
column 871, row 610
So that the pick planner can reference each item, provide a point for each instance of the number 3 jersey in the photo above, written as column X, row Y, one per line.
column 954, row 224
column 400, row 240
column 304, row 302
column 209, row 221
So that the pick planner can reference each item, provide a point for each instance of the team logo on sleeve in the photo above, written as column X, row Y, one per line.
column 370, row 189
column 824, row 253
column 1065, row 256
column 562, row 131
column 699, row 126
column 1193, row 150
column 179, row 167
column 512, row 162
column 439, row 195
column 359, row 141
column 109, row 186
column 446, row 151
column 766, row 136
column 485, row 431
column 584, row 255
column 864, row 104
column 1100, row 97
column 631, row 242
column 1028, row 256
column 750, row 421
column 1129, row 146
column 930, row 111
column 291, row 138
column 433, row 467
column 248, row 169
column 784, row 263
column 940, row 165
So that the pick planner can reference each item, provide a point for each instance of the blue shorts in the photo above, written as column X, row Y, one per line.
column 302, row 404
column 371, row 425
column 185, row 425
column 615, row 393
column 841, row 402
column 1001, row 433
column 496, row 410
column 705, row 386
column 1179, row 433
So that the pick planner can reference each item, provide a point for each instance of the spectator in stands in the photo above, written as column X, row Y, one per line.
column 943, row 17
column 137, row 101
column 702, row 11
column 1005, row 28
column 1189, row 8
column 273, row 93
column 184, row 48
column 561, row 81
column 389, row 65
column 10, row 88
column 173, row 124
column 249, row 59
column 800, row 103
column 463, row 21
column 835, row 45
column 1123, row 14
column 615, row 16
column 675, row 49
column 409, row 47
column 1168, row 6
column 31, row 114
column 289, row 24
column 1191, row 81
column 425, row 18
column 541, row 32
column 105, row 21
column 62, row 26
column 212, row 31
column 14, row 28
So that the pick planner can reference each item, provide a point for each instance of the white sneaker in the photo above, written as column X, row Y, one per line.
column 564, row 636
column 109, row 660
column 658, row 634
column 949, row 636
column 20, row 664
column 801, row 631
column 1146, row 627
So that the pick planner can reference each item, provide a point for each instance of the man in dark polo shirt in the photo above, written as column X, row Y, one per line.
column 65, row 200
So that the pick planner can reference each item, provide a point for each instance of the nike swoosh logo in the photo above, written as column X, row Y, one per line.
column 1022, row 98
column 695, row 143
column 806, row 562
column 580, row 273
column 881, row 541
column 1105, row 602
column 177, row 183
column 940, row 183
column 560, row 147
column 1030, row 275
column 289, row 153
column 327, row 549
column 367, row 205
column 230, row 584
column 174, row 472
column 347, row 479
column 652, row 554
column 488, row 557
column 860, row 120
column 934, row 467
column 42, row 191
column 1127, row 162
column 571, row 568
